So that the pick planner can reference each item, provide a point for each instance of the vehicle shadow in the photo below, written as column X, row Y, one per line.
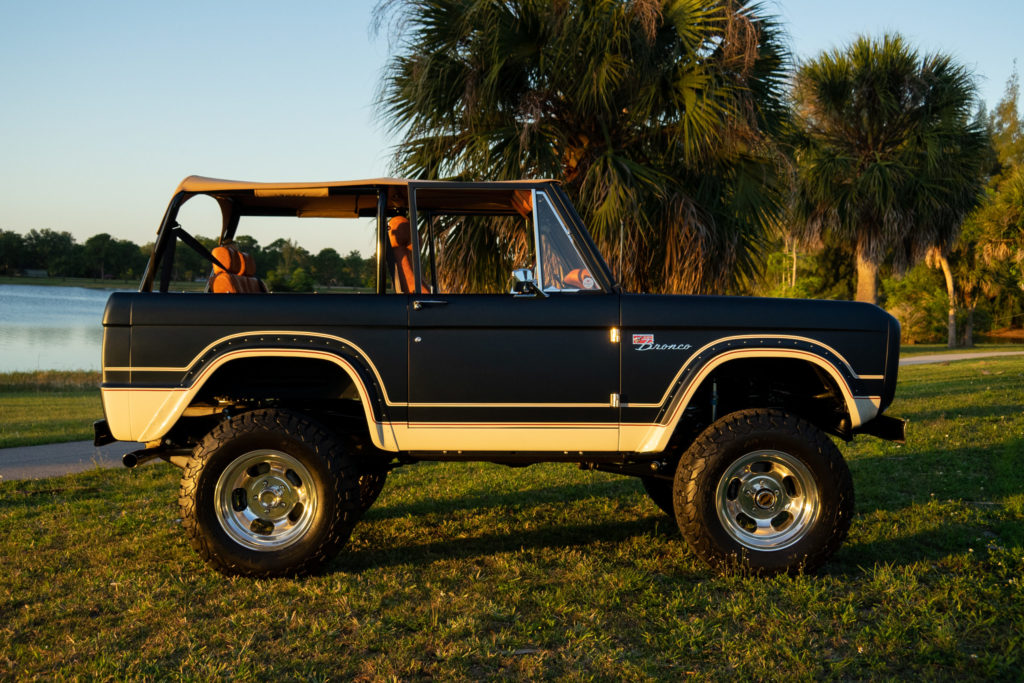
column 974, row 539
column 560, row 537
column 958, row 472
column 929, row 505
column 519, row 498
column 904, row 489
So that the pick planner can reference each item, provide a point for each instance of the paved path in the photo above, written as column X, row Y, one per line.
column 51, row 460
column 966, row 355
column 35, row 462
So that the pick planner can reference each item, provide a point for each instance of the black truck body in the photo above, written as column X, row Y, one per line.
column 553, row 370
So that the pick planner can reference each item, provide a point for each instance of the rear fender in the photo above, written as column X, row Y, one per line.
column 145, row 411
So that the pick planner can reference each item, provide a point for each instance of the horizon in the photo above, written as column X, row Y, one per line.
column 110, row 106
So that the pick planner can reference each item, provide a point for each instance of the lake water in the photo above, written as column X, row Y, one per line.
column 50, row 328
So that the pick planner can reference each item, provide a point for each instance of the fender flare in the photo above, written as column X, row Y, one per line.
column 165, row 406
column 860, row 408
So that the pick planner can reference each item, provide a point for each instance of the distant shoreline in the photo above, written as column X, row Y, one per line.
column 91, row 283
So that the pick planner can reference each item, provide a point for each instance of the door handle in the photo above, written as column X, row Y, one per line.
column 420, row 303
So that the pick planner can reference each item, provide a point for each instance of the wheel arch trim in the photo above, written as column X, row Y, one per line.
column 164, row 406
column 655, row 437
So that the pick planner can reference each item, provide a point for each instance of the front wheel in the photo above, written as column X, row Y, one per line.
column 660, row 492
column 269, row 493
column 763, row 490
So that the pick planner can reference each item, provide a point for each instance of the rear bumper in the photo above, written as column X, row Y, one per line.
column 102, row 435
column 885, row 427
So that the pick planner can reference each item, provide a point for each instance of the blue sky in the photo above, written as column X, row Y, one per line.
column 106, row 105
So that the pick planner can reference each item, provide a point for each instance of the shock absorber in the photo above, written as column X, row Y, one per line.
column 714, row 400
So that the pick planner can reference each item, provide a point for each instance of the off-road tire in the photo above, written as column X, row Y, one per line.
column 372, row 475
column 371, row 483
column 660, row 492
column 331, row 472
column 712, row 475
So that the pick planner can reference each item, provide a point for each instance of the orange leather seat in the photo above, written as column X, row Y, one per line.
column 580, row 279
column 400, row 239
column 240, row 278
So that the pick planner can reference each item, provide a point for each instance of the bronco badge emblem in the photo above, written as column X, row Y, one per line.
column 645, row 342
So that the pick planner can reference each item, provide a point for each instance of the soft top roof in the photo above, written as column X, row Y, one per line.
column 202, row 185
column 353, row 198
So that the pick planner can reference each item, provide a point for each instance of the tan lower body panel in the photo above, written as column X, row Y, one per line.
column 148, row 414
column 506, row 437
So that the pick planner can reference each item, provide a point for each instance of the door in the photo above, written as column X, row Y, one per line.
column 499, row 373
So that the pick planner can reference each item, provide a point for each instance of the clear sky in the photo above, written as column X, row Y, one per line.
column 105, row 105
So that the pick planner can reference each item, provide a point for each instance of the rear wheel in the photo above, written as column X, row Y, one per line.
column 372, row 473
column 763, row 490
column 269, row 493
column 371, row 483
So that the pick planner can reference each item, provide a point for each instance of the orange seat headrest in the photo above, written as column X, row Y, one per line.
column 580, row 278
column 398, row 232
column 237, row 262
column 228, row 256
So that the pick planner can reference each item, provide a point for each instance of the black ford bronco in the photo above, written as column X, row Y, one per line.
column 286, row 411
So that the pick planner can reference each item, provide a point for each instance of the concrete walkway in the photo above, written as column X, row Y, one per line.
column 965, row 355
column 51, row 460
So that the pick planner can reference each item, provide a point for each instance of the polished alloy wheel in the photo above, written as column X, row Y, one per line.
column 767, row 500
column 266, row 500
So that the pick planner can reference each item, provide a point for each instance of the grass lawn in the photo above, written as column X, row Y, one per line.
column 48, row 406
column 473, row 571
column 920, row 349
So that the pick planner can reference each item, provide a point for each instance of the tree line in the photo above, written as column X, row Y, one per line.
column 701, row 155
column 282, row 264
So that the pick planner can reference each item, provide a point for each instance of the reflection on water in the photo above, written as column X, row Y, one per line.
column 50, row 328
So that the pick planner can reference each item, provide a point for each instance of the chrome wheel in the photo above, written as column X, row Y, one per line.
column 266, row 500
column 767, row 500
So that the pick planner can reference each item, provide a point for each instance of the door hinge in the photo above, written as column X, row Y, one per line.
column 614, row 400
column 615, row 335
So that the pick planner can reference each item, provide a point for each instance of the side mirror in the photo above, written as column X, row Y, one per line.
column 524, row 286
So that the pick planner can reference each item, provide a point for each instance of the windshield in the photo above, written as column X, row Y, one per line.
column 560, row 266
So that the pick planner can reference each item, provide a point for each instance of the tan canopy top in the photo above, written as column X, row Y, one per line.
column 354, row 198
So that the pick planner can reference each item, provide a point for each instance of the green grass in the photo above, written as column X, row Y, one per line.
column 920, row 349
column 48, row 406
column 476, row 571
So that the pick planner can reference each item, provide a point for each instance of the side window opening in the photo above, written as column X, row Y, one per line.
column 472, row 254
column 322, row 254
column 472, row 240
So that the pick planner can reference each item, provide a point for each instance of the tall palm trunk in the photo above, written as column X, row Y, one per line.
column 867, row 276
column 792, row 277
column 951, row 324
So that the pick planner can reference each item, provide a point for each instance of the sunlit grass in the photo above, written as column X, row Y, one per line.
column 921, row 349
column 48, row 406
column 476, row 571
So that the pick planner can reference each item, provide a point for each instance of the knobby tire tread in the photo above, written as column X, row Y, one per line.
column 344, row 479
column 749, row 424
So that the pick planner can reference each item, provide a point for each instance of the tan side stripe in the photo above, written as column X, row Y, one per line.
column 751, row 351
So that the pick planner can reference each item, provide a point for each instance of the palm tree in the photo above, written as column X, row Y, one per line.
column 655, row 114
column 889, row 156
column 988, row 259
